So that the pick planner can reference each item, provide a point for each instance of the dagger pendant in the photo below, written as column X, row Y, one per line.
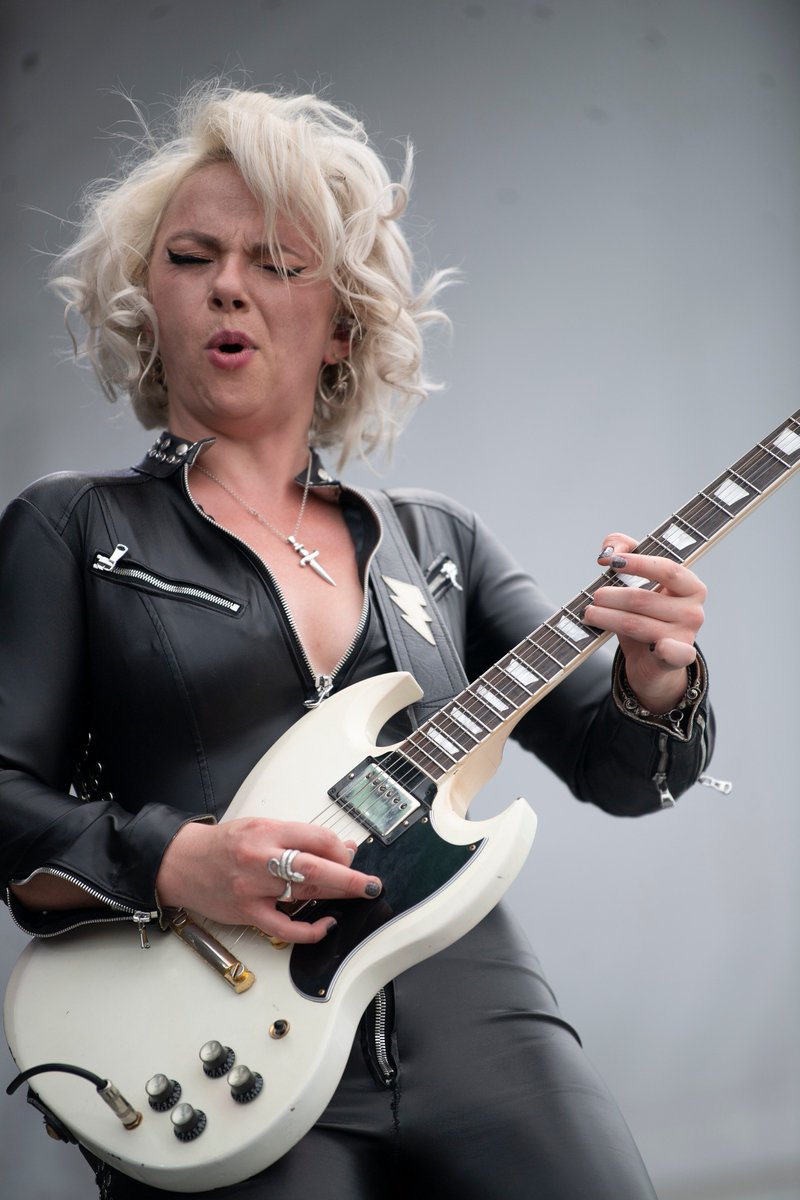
column 308, row 558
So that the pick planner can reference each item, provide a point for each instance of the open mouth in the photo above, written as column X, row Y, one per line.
column 230, row 347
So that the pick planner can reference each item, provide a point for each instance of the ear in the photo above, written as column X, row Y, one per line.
column 340, row 341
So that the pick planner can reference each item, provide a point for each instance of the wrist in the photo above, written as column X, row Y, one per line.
column 678, row 719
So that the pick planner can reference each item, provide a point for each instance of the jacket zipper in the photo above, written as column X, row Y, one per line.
column 323, row 684
column 110, row 562
column 660, row 777
column 139, row 917
column 379, row 1038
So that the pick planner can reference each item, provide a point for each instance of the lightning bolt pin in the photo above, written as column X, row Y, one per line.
column 412, row 604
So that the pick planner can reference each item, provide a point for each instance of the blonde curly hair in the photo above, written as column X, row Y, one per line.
column 306, row 160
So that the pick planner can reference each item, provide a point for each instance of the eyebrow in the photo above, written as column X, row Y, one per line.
column 213, row 243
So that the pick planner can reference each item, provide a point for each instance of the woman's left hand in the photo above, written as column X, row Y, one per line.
column 656, row 629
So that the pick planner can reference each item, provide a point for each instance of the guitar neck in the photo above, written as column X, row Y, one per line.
column 494, row 703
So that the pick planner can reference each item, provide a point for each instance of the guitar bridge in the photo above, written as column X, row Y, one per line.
column 385, row 795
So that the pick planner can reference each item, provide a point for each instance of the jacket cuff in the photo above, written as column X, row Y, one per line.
column 679, row 721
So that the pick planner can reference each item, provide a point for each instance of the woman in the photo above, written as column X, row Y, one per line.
column 249, row 286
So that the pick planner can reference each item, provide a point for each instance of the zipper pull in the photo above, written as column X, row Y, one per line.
column 450, row 571
column 719, row 785
column 107, row 563
column 324, row 686
column 142, row 920
column 665, row 795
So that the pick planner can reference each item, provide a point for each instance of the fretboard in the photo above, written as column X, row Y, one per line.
column 553, row 650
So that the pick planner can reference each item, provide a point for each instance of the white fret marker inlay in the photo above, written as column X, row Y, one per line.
column 491, row 699
column 678, row 537
column 632, row 580
column 730, row 493
column 466, row 722
column 521, row 672
column 436, row 736
column 788, row 441
column 572, row 630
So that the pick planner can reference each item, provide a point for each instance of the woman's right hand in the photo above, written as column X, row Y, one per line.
column 220, row 871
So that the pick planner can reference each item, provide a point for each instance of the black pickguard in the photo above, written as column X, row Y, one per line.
column 411, row 869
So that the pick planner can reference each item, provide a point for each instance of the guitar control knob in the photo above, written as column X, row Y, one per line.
column 244, row 1084
column 163, row 1093
column 217, row 1059
column 187, row 1122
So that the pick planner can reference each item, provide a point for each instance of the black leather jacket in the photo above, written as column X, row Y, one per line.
column 151, row 688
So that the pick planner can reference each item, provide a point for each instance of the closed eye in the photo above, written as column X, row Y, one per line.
column 283, row 272
column 185, row 260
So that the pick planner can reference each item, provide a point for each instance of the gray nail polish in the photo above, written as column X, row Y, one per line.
column 606, row 551
column 372, row 890
column 618, row 562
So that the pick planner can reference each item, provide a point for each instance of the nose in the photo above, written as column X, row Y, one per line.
column 229, row 290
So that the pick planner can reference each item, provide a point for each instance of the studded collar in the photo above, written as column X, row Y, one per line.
column 168, row 453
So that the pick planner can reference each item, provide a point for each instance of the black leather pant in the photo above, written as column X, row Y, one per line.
column 494, row 1099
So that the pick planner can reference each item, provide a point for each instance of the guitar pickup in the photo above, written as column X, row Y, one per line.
column 385, row 796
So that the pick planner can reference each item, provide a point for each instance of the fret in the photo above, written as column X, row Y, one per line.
column 708, row 516
column 767, row 450
column 434, row 734
column 678, row 543
column 521, row 675
column 768, row 468
column 468, row 719
column 679, row 517
column 456, row 734
column 661, row 548
column 504, row 684
column 421, row 758
column 749, row 482
column 543, row 662
column 571, row 627
column 576, row 607
column 491, row 708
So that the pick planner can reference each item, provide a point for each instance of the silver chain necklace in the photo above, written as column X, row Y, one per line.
column 308, row 558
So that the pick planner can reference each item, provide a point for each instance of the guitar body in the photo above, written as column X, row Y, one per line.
column 93, row 998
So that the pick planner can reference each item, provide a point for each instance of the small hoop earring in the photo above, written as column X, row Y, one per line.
column 335, row 382
column 159, row 373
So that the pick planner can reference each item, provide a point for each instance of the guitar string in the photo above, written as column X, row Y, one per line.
column 755, row 468
column 547, row 639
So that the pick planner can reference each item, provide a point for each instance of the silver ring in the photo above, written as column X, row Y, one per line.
column 282, row 868
column 285, row 895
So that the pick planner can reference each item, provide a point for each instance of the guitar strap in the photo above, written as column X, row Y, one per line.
column 418, row 637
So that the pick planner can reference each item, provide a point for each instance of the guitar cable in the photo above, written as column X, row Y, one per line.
column 108, row 1091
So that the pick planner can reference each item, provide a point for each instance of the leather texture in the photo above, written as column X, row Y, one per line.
column 160, row 701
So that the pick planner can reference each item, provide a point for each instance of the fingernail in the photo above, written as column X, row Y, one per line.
column 618, row 561
column 352, row 852
column 332, row 924
column 652, row 647
column 372, row 890
column 606, row 552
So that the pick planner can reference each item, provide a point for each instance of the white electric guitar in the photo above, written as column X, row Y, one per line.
column 275, row 1023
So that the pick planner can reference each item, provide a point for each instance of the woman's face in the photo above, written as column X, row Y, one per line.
column 242, row 340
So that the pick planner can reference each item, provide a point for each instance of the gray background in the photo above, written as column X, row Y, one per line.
column 618, row 181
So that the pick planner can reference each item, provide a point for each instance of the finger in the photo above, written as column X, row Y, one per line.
column 278, row 925
column 323, row 878
column 615, row 543
column 639, row 627
column 670, row 653
column 311, row 839
column 679, row 580
column 681, row 611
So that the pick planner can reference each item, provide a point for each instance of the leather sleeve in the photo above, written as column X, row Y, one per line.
column 43, row 730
